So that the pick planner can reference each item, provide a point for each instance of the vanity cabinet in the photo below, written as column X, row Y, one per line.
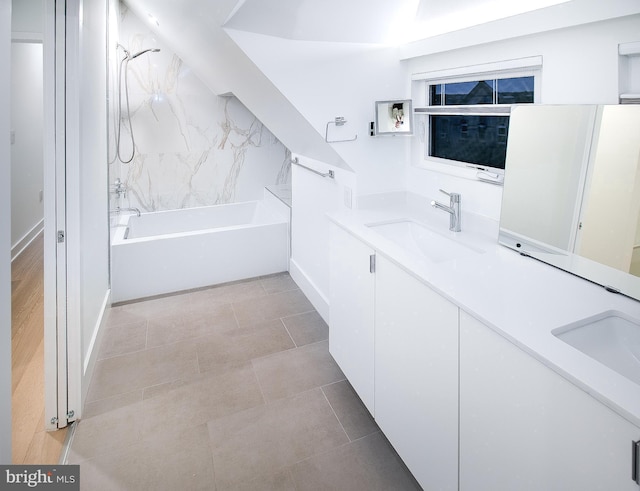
column 396, row 340
column 464, row 407
column 352, row 289
column 416, row 375
column 523, row 426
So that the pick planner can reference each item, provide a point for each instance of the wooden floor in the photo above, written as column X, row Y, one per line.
column 30, row 443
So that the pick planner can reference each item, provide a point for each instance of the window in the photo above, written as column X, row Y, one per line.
column 480, row 140
column 468, row 118
column 499, row 91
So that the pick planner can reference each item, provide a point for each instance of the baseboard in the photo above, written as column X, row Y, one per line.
column 94, row 346
column 24, row 242
column 308, row 287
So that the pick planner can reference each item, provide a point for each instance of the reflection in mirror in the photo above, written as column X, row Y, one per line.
column 394, row 117
column 572, row 191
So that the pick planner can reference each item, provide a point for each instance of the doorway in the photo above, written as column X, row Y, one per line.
column 36, row 272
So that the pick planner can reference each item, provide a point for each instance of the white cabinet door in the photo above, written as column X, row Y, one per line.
column 416, row 369
column 524, row 427
column 351, row 298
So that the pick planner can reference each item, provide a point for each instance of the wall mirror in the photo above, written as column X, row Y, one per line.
column 394, row 117
column 572, row 191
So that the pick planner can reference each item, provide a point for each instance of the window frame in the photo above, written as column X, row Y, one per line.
column 424, row 112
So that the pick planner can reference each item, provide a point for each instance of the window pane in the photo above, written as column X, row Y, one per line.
column 466, row 93
column 435, row 95
column 515, row 90
column 480, row 140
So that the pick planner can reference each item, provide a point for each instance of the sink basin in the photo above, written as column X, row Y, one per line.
column 420, row 239
column 612, row 338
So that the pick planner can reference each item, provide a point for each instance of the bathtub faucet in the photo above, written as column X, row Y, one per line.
column 120, row 188
column 118, row 210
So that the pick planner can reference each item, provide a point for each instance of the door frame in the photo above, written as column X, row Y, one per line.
column 55, row 249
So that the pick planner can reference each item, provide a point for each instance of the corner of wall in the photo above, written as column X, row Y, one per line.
column 310, row 289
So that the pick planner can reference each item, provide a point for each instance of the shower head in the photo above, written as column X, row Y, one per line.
column 153, row 50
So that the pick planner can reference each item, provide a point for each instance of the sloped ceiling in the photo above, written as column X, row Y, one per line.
column 193, row 29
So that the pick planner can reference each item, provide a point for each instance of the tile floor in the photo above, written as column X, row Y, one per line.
column 230, row 387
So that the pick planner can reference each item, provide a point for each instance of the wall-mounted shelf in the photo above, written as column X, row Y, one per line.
column 629, row 72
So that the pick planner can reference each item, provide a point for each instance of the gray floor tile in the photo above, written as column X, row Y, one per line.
column 157, row 306
column 281, row 480
column 236, row 292
column 220, row 397
column 201, row 399
column 180, row 327
column 123, row 338
column 106, row 433
column 271, row 307
column 290, row 372
column 239, row 346
column 201, row 302
column 369, row 464
column 160, row 389
column 102, row 406
column 166, row 461
column 278, row 283
column 351, row 412
column 118, row 316
column 307, row 328
column 256, row 442
column 133, row 371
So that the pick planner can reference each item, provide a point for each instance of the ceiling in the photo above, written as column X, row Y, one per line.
column 390, row 22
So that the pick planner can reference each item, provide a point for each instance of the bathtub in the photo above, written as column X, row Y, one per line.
column 169, row 251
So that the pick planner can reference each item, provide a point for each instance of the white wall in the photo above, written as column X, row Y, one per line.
column 324, row 81
column 313, row 197
column 580, row 66
column 5, row 235
column 87, row 212
column 27, row 174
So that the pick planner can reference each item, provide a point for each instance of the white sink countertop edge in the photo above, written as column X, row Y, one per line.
column 521, row 298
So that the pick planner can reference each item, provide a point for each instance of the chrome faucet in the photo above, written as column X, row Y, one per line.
column 453, row 209
column 120, row 188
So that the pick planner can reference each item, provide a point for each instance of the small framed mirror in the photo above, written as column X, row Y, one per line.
column 394, row 117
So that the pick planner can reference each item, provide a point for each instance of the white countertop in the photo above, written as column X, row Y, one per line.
column 519, row 297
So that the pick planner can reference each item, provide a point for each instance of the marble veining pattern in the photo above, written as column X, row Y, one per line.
column 193, row 148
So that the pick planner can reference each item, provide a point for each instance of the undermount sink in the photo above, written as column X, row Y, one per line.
column 418, row 238
column 612, row 338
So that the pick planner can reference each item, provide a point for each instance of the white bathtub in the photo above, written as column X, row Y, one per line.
column 170, row 251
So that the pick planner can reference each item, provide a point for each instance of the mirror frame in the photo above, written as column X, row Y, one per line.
column 385, row 120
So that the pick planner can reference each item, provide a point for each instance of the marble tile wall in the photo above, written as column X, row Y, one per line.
column 192, row 147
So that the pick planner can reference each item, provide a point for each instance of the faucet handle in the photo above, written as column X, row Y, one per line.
column 454, row 197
